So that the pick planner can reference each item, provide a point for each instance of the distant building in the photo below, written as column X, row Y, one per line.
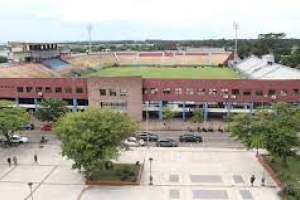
column 22, row 52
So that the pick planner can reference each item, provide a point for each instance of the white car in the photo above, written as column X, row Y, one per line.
column 19, row 139
column 133, row 142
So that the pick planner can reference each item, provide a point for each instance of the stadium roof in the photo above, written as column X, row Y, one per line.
column 265, row 68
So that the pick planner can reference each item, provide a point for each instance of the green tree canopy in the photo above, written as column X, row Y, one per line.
column 168, row 113
column 51, row 109
column 12, row 119
column 274, row 128
column 93, row 137
column 197, row 116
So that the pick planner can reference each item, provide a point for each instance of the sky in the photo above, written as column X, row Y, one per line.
column 67, row 20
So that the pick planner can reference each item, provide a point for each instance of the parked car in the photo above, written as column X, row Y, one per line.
column 29, row 127
column 47, row 127
column 146, row 136
column 19, row 139
column 133, row 142
column 166, row 143
column 190, row 137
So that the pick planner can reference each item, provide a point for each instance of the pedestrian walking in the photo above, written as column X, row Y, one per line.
column 263, row 180
column 35, row 158
column 15, row 160
column 252, row 180
column 9, row 161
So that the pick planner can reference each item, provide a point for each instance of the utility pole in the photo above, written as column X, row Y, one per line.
column 236, row 27
column 90, row 29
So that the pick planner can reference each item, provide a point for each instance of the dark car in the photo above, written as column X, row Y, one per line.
column 147, row 137
column 28, row 127
column 166, row 143
column 190, row 137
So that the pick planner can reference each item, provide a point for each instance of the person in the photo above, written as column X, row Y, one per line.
column 35, row 158
column 15, row 160
column 252, row 180
column 9, row 161
column 263, row 180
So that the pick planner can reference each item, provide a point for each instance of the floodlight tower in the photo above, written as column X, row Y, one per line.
column 90, row 29
column 236, row 28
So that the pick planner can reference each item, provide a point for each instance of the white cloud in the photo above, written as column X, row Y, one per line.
column 152, row 18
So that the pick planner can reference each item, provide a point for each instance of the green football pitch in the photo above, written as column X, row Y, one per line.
column 169, row 72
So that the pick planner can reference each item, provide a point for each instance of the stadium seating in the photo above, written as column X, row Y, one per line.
column 55, row 63
column 264, row 68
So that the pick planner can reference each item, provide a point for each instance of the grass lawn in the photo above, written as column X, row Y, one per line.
column 169, row 72
column 119, row 172
column 290, row 174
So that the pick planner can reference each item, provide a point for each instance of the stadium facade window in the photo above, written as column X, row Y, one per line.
column 296, row 91
column 79, row 90
column 166, row 91
column 235, row 92
column 283, row 93
column 224, row 91
column 153, row 90
column 112, row 92
column 189, row 91
column 29, row 89
column 68, row 90
column 58, row 90
column 123, row 92
column 119, row 106
column 259, row 93
column 271, row 92
column 178, row 91
column 247, row 92
column 20, row 89
column 102, row 92
column 38, row 89
column 201, row 91
column 212, row 92
column 48, row 89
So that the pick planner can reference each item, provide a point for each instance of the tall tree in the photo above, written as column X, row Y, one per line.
column 51, row 109
column 12, row 119
column 282, row 136
column 168, row 114
column 197, row 116
column 93, row 137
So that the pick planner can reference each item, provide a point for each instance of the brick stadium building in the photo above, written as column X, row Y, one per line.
column 136, row 95
column 265, row 82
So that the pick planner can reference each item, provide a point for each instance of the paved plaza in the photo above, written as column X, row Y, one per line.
column 179, row 173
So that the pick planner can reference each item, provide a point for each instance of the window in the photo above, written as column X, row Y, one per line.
column 153, row 90
column 178, row 91
column 283, row 93
column 120, row 106
column 271, row 92
column 235, row 92
column 58, row 90
column 123, row 92
column 145, row 90
column 212, row 92
column 112, row 92
column 247, row 93
column 48, row 90
column 102, row 92
column 19, row 89
column 259, row 93
column 189, row 91
column 166, row 91
column 225, row 91
column 68, row 90
column 201, row 91
column 79, row 90
column 38, row 89
column 29, row 89
column 296, row 91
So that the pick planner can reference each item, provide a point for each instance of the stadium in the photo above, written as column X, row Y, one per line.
column 146, row 82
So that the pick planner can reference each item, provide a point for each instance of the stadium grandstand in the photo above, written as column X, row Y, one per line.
column 266, row 68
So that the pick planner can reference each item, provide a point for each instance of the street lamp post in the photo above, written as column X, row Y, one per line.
column 151, row 177
column 30, row 188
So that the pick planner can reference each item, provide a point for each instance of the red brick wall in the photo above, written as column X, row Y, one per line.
column 134, row 98
column 8, row 87
column 253, row 85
